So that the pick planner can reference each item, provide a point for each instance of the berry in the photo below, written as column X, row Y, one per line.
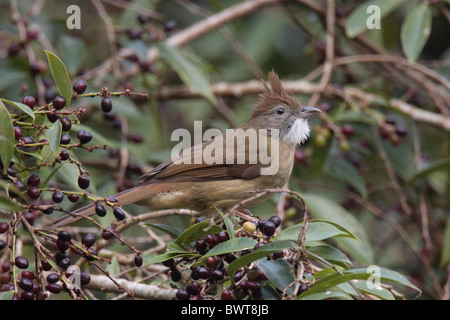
column 46, row 266
column 401, row 131
column 211, row 239
column 73, row 197
column 261, row 224
column 33, row 192
column 66, row 123
column 29, row 101
column 138, row 261
column 249, row 226
column 119, row 213
column 100, row 210
column 254, row 286
column 88, row 240
column 226, row 295
column 54, row 288
column 200, row 245
column 21, row 262
column 223, row 236
column 63, row 246
column 182, row 294
column 28, row 140
column 14, row 49
column 27, row 295
column 276, row 220
column 64, row 263
column 193, row 288
column 65, row 139
column 169, row 263
column 57, row 196
column 143, row 18
column 3, row 227
column 59, row 102
column 106, row 234
column 53, row 116
column 216, row 275
column 26, row 284
column 53, row 278
column 32, row 34
column 84, row 136
column 106, row 105
column 347, row 130
column 33, row 180
column 211, row 262
column 202, row 272
column 80, row 86
column 17, row 133
column 269, row 228
column 175, row 275
column 28, row 274
column 64, row 236
column 303, row 288
column 64, row 155
column 83, row 182
column 84, row 278
column 169, row 25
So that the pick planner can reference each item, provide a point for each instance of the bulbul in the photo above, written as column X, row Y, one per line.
column 223, row 171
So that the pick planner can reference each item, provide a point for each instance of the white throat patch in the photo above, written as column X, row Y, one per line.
column 298, row 133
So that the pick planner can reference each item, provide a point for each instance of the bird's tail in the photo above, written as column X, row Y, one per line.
column 125, row 197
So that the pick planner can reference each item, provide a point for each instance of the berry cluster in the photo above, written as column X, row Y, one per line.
column 209, row 278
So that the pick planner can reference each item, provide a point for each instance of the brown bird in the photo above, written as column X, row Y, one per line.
column 219, row 173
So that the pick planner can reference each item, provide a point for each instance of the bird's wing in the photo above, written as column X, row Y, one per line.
column 187, row 166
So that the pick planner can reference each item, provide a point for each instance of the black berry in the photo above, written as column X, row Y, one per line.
column 119, row 213
column 65, row 139
column 276, row 220
column 107, row 234
column 21, row 262
column 54, row 288
column 66, row 123
column 53, row 116
column 26, row 284
column 59, row 102
column 100, row 210
column 33, row 180
column 269, row 228
column 17, row 133
column 83, row 182
column 80, row 86
column 106, row 104
column 138, row 261
column 182, row 294
column 57, row 196
column 175, row 275
column 29, row 101
column 88, row 240
column 211, row 240
column 84, row 136
column 73, row 197
column 169, row 25
column 33, row 192
column 64, row 155
column 53, row 278
column 64, row 236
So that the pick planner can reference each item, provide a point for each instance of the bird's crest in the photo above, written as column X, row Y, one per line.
column 273, row 95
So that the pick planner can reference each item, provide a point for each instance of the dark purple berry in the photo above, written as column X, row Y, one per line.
column 107, row 234
column 57, row 196
column 33, row 192
column 226, row 295
column 4, row 226
column 26, row 284
column 261, row 224
column 269, row 228
column 28, row 274
column 83, row 182
column 64, row 236
column 32, row 34
column 100, row 210
column 216, row 275
column 21, row 262
column 53, row 278
column 182, row 294
column 276, row 220
column 119, row 213
column 175, row 275
column 73, row 197
column 84, row 136
column 202, row 272
column 29, row 101
column 211, row 240
column 64, row 155
column 193, row 288
column 138, row 261
column 66, row 123
column 106, row 104
column 169, row 263
column 33, row 180
column 88, row 240
column 53, row 116
column 17, row 133
column 223, row 236
column 14, row 49
column 80, row 86
column 170, row 25
column 64, row 263
column 62, row 246
column 211, row 262
column 84, row 278
column 54, row 288
column 65, row 139
column 59, row 102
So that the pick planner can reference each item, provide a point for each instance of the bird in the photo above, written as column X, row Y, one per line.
column 222, row 172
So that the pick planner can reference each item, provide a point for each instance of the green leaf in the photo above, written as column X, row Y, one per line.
column 54, row 137
column 228, row 224
column 316, row 230
column 342, row 169
column 415, row 31
column 445, row 256
column 6, row 136
column 7, row 295
column 197, row 231
column 278, row 272
column 189, row 72
column 73, row 49
column 440, row 165
column 232, row 245
column 22, row 107
column 174, row 232
column 324, row 208
column 61, row 76
column 331, row 255
column 8, row 205
column 357, row 21
column 259, row 253
column 52, row 174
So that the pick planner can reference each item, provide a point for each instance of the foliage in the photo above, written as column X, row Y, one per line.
column 368, row 198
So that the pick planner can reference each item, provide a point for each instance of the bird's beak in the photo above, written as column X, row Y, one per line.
column 308, row 112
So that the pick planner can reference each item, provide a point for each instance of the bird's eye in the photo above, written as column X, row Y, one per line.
column 280, row 111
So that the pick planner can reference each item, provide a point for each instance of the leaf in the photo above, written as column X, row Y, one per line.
column 228, row 224
column 415, row 31
column 22, row 107
column 259, row 253
column 6, row 136
column 324, row 208
column 51, row 175
column 342, row 169
column 316, row 230
column 197, row 231
column 330, row 254
column 232, row 245
column 189, row 72
column 440, row 165
column 8, row 205
column 7, row 295
column 61, row 76
column 54, row 137
column 445, row 256
column 278, row 272
column 73, row 49
column 174, row 232
column 357, row 21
